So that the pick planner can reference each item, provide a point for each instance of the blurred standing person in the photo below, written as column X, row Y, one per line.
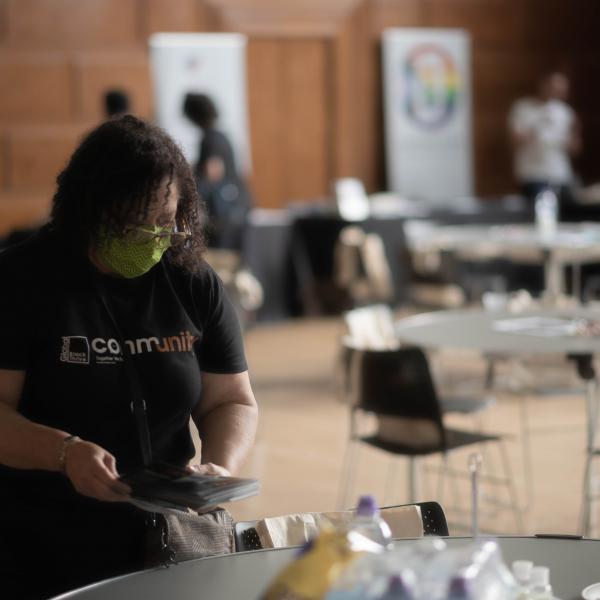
column 545, row 134
column 220, row 186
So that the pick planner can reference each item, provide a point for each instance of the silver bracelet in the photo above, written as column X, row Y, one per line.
column 62, row 456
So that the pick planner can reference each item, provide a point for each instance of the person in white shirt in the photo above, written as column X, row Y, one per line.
column 545, row 134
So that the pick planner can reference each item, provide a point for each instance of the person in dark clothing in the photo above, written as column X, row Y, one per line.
column 116, row 103
column 220, row 186
column 125, row 232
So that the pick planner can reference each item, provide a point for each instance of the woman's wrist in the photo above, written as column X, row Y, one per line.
column 64, row 452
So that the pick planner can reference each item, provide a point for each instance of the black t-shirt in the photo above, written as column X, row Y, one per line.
column 215, row 144
column 55, row 327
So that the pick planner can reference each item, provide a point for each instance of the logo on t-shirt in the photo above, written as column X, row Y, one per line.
column 75, row 349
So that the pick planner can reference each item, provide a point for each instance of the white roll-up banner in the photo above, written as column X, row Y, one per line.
column 209, row 63
column 427, row 112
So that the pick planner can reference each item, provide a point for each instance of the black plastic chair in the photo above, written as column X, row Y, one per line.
column 374, row 327
column 432, row 515
column 398, row 384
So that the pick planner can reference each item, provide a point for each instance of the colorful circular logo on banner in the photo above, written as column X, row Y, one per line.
column 431, row 86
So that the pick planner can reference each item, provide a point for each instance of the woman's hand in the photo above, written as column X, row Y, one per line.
column 209, row 469
column 93, row 472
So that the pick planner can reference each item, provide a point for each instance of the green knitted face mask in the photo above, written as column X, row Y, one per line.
column 135, row 252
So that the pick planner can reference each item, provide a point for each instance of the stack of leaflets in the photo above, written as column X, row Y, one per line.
column 559, row 326
column 539, row 326
column 161, row 487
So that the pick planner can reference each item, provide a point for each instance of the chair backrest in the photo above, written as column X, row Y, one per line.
column 399, row 383
column 351, row 199
column 432, row 515
column 397, row 386
column 372, row 327
column 361, row 266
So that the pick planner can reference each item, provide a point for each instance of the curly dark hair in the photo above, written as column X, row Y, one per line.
column 112, row 179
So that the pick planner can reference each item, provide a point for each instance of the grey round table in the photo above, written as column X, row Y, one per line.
column 477, row 329
column 574, row 564
column 490, row 332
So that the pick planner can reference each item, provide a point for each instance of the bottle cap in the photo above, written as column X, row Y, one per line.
column 540, row 576
column 367, row 506
column 396, row 584
column 459, row 587
column 522, row 570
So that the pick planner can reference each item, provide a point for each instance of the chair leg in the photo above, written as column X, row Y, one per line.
column 512, row 490
column 526, row 450
column 442, row 480
column 589, row 517
column 412, row 479
column 348, row 475
column 456, row 497
column 585, row 528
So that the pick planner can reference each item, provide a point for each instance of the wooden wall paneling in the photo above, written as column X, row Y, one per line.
column 396, row 13
column 210, row 18
column 313, row 73
column 493, row 155
column 340, row 96
column 587, row 164
column 492, row 23
column 267, row 117
column 306, row 167
column 301, row 124
column 98, row 72
column 61, row 24
column 502, row 76
column 274, row 18
column 4, row 148
column 582, row 32
column 355, row 100
column 585, row 80
column 35, row 88
column 3, row 21
column 38, row 154
column 555, row 25
column 170, row 15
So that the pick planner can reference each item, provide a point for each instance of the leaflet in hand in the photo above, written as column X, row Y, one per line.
column 162, row 486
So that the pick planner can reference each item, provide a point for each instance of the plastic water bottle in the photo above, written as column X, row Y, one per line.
column 540, row 584
column 546, row 213
column 368, row 522
column 521, row 570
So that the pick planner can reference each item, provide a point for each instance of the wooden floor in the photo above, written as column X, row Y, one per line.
column 303, row 430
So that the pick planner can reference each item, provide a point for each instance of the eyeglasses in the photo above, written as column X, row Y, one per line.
column 143, row 235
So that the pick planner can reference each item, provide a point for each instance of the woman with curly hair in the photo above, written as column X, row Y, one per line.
column 124, row 246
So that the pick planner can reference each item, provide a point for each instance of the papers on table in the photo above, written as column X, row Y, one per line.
column 548, row 326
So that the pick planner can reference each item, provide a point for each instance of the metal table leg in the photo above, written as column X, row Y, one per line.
column 586, row 370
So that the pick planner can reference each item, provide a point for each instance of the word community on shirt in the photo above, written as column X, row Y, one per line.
column 77, row 349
